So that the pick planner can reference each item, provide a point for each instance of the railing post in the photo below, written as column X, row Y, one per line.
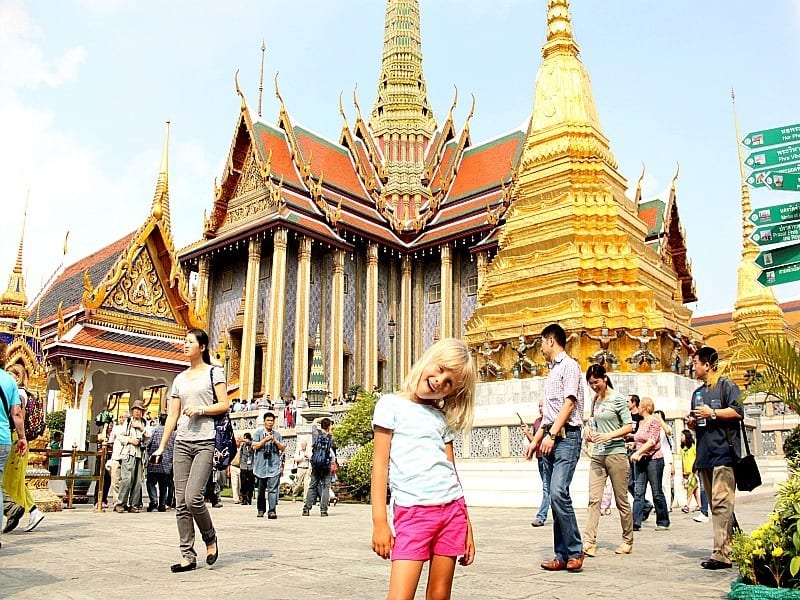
column 73, row 462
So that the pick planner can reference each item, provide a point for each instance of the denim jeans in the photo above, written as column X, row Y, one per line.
column 270, row 485
column 319, row 485
column 703, row 496
column 546, row 473
column 652, row 473
column 648, row 506
column 5, row 451
column 563, row 459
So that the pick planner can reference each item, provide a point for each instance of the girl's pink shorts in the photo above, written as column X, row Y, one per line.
column 422, row 531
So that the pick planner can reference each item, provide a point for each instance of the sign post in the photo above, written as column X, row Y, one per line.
column 781, row 155
column 772, row 137
column 775, row 214
column 787, row 274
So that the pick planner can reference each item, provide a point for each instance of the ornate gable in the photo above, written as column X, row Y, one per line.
column 139, row 291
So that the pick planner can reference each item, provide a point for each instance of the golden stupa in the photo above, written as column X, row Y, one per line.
column 574, row 249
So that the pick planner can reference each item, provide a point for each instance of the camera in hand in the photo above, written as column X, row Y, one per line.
column 155, row 459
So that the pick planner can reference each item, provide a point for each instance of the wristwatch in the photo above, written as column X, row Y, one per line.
column 713, row 413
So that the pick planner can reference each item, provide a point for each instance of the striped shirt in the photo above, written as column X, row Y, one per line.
column 564, row 379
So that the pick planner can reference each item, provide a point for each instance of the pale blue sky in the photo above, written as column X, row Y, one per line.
column 86, row 85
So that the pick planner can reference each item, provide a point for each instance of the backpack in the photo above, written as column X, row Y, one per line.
column 321, row 453
column 34, row 417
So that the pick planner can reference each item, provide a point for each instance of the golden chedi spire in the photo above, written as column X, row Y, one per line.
column 160, row 207
column 13, row 302
column 756, row 309
column 572, row 249
column 402, row 120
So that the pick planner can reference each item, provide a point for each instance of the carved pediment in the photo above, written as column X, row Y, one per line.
column 139, row 291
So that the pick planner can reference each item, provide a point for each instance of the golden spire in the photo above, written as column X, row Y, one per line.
column 402, row 102
column 261, row 79
column 160, row 207
column 755, row 308
column 14, row 300
column 559, row 30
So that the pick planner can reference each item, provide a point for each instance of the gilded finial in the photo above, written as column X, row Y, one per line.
column 261, row 78
column 472, row 109
column 238, row 89
column 455, row 100
column 277, row 90
column 675, row 178
column 341, row 108
column 559, row 29
column 160, row 205
column 66, row 240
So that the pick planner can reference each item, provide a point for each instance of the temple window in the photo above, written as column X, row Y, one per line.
column 472, row 285
column 434, row 293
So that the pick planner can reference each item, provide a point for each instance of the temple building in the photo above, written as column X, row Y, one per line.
column 401, row 232
column 111, row 326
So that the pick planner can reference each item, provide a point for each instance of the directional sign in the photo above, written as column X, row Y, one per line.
column 776, row 214
column 770, row 259
column 776, row 234
column 782, row 181
column 757, row 178
column 771, row 137
column 780, row 275
column 774, row 156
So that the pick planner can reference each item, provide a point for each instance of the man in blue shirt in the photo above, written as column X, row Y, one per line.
column 10, row 411
column 268, row 445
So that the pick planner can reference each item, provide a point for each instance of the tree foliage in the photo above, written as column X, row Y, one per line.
column 358, row 473
column 55, row 420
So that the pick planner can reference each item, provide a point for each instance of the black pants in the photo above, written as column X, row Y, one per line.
column 248, row 481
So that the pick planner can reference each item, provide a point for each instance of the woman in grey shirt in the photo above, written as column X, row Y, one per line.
column 198, row 394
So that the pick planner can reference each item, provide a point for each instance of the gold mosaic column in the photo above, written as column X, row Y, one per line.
column 301, row 317
column 371, row 331
column 446, row 282
column 249, row 333
column 418, row 312
column 336, row 360
column 201, row 297
column 483, row 266
column 404, row 323
column 277, row 307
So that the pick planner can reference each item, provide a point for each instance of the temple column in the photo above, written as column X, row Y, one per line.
column 247, row 356
column 483, row 267
column 371, row 330
column 418, row 311
column 201, row 296
column 274, row 356
column 404, row 322
column 302, row 307
column 336, row 359
column 446, row 283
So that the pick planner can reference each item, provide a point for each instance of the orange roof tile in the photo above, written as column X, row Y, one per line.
column 485, row 166
column 330, row 160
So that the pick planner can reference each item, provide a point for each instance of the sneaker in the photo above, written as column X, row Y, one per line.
column 662, row 528
column 12, row 522
column 306, row 513
column 701, row 518
column 36, row 517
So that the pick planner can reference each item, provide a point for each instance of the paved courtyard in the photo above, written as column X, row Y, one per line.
column 80, row 554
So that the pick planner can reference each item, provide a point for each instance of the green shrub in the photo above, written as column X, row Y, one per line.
column 356, row 427
column 55, row 420
column 358, row 472
column 791, row 447
column 770, row 555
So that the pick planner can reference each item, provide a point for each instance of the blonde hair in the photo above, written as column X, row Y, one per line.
column 648, row 405
column 18, row 370
column 453, row 355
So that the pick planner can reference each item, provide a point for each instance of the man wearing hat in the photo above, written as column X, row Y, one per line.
column 133, row 440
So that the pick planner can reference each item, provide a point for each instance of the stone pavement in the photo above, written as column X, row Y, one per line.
column 81, row 554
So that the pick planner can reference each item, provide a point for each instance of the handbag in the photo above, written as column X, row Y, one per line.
column 745, row 469
column 224, row 439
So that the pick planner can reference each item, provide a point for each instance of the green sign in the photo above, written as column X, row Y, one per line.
column 771, row 137
column 776, row 214
column 774, row 156
column 780, row 275
column 776, row 234
column 770, row 259
column 758, row 177
column 783, row 181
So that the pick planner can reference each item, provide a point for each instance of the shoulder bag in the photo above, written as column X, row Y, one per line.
column 224, row 439
column 745, row 469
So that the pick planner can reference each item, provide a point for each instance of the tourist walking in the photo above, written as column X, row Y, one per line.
column 559, row 438
column 610, row 422
column 268, row 446
column 133, row 440
column 10, row 418
column 322, row 457
column 246, row 468
column 545, row 469
column 198, row 394
column 716, row 413
column 414, row 431
column 648, row 464
column 159, row 472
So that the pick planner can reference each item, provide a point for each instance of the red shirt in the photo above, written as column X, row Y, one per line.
column 650, row 431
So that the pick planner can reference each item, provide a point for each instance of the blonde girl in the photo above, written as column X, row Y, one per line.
column 414, row 431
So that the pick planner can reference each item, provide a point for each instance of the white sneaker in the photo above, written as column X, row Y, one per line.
column 701, row 518
column 36, row 517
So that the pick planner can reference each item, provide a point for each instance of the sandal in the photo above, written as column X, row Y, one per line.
column 685, row 509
